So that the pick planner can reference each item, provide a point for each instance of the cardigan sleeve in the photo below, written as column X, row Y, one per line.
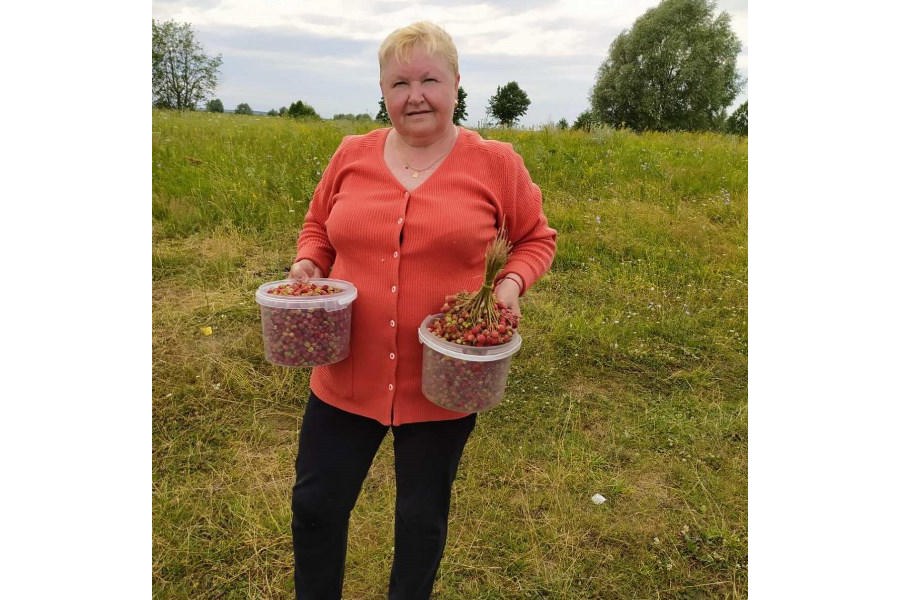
column 313, row 242
column 533, row 240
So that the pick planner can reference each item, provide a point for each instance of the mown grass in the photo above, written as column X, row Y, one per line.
column 631, row 383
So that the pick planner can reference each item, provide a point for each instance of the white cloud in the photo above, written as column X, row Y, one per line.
column 324, row 52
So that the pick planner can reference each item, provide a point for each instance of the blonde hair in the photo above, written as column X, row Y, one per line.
column 432, row 38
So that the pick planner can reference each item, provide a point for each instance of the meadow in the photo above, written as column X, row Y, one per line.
column 631, row 381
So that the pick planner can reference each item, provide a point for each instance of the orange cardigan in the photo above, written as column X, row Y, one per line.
column 404, row 251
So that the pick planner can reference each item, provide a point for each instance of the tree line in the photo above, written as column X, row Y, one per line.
column 507, row 106
column 674, row 69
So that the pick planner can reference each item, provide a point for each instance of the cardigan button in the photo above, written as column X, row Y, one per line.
column 393, row 356
column 390, row 387
column 393, row 323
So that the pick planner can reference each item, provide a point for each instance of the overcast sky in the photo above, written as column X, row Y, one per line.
column 275, row 52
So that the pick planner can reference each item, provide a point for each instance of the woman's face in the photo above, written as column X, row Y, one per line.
column 419, row 95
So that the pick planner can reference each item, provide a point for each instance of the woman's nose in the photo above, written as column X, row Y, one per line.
column 416, row 94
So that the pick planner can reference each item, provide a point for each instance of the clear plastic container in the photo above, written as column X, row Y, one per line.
column 306, row 331
column 464, row 378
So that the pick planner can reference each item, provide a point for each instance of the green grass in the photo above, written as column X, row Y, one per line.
column 631, row 382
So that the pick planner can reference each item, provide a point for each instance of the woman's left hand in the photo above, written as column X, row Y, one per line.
column 508, row 292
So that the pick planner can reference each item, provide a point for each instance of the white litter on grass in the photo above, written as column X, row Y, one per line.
column 598, row 499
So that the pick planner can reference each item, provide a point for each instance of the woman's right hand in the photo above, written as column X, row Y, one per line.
column 305, row 269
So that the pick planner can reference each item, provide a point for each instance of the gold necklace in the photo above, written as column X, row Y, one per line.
column 415, row 172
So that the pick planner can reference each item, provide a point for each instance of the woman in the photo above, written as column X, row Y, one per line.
column 405, row 213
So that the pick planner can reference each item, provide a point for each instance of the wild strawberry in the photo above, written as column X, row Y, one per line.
column 302, row 337
column 479, row 312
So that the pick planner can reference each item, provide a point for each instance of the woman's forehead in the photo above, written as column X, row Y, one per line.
column 417, row 53
column 417, row 61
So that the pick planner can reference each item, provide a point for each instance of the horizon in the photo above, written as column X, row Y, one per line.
column 553, row 49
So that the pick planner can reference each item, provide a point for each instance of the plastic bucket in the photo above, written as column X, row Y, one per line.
column 306, row 331
column 464, row 378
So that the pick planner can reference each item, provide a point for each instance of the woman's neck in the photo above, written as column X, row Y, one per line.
column 442, row 142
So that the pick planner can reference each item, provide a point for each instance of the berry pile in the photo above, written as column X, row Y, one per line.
column 457, row 324
column 463, row 386
column 479, row 319
column 305, row 337
column 303, row 288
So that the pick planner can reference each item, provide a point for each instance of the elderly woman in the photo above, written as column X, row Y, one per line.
column 405, row 213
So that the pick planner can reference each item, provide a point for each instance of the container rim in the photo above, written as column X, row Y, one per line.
column 331, row 302
column 467, row 353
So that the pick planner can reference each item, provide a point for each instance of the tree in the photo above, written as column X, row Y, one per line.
column 215, row 105
column 508, row 104
column 243, row 109
column 739, row 121
column 382, row 112
column 459, row 111
column 585, row 121
column 183, row 76
column 298, row 110
column 675, row 69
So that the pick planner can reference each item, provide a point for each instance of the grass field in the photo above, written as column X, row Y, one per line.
column 631, row 381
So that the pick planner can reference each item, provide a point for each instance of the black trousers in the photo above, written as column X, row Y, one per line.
column 335, row 452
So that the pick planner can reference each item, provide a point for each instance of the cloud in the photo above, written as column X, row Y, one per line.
column 278, row 51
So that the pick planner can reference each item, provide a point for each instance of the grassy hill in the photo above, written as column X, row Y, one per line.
column 631, row 382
